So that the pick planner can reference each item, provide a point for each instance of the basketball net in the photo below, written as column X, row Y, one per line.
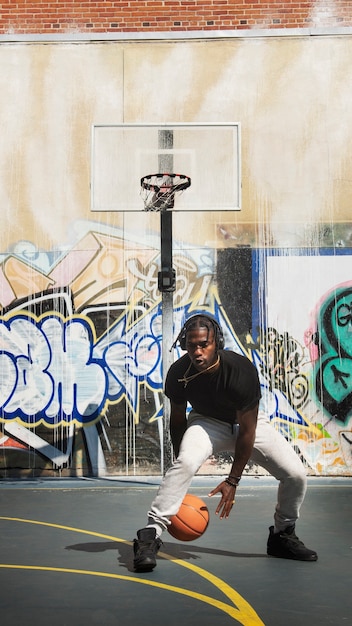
column 158, row 190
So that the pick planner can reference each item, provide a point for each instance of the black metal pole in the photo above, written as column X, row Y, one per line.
column 166, row 284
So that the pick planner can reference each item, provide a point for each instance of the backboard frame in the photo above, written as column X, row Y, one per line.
column 117, row 157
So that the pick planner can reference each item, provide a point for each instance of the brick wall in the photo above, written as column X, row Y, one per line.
column 72, row 16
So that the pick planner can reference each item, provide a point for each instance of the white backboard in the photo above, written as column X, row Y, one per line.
column 209, row 153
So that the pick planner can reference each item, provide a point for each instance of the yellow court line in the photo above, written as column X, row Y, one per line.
column 244, row 614
column 234, row 613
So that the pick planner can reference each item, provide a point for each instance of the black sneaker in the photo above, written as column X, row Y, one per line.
column 286, row 545
column 145, row 550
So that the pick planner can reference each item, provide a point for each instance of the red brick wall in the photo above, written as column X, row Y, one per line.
column 60, row 16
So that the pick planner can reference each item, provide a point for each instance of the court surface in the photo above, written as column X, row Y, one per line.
column 66, row 557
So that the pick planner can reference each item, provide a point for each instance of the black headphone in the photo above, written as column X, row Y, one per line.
column 218, row 334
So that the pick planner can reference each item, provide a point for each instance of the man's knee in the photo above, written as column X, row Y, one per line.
column 188, row 464
column 296, row 480
column 298, row 472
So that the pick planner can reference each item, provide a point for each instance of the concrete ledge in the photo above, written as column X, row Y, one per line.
column 154, row 481
column 115, row 37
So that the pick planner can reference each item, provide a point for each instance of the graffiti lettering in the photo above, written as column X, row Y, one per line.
column 51, row 373
column 339, row 376
column 282, row 357
column 344, row 314
column 333, row 385
column 188, row 281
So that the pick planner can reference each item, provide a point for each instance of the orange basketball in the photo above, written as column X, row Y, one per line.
column 191, row 521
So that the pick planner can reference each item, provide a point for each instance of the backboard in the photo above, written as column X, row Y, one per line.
column 209, row 153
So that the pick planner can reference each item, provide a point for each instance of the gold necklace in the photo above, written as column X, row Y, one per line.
column 185, row 380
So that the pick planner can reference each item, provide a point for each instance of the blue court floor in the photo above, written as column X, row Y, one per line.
column 66, row 557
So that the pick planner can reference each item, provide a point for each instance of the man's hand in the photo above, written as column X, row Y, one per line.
column 227, row 499
column 247, row 421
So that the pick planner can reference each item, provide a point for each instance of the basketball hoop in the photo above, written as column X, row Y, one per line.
column 158, row 190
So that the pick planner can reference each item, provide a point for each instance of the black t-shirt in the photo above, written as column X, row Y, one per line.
column 233, row 386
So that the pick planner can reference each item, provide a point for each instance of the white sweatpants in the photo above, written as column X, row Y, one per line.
column 206, row 436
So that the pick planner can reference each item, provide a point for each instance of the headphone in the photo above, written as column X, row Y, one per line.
column 218, row 334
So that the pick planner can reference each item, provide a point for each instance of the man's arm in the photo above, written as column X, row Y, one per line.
column 247, row 421
column 178, row 425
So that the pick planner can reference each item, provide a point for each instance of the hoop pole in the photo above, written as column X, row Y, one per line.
column 165, row 141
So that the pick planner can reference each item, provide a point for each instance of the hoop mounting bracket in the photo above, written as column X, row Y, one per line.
column 167, row 280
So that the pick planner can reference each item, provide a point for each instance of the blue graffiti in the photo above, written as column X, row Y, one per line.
column 53, row 372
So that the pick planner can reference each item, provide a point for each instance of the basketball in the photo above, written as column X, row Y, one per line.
column 191, row 521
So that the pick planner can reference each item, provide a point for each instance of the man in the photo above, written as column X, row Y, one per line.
column 223, row 390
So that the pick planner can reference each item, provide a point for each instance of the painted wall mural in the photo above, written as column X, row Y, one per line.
column 309, row 295
column 81, row 360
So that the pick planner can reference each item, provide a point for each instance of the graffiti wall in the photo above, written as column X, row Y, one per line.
column 81, row 326
column 81, row 345
column 310, row 353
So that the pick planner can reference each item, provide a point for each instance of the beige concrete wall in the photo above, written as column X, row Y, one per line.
column 291, row 95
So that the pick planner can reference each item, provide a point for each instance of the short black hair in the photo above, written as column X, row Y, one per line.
column 200, row 321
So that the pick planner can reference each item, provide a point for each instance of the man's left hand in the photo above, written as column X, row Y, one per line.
column 227, row 501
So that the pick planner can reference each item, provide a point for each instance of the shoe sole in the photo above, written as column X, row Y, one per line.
column 143, row 568
column 294, row 558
